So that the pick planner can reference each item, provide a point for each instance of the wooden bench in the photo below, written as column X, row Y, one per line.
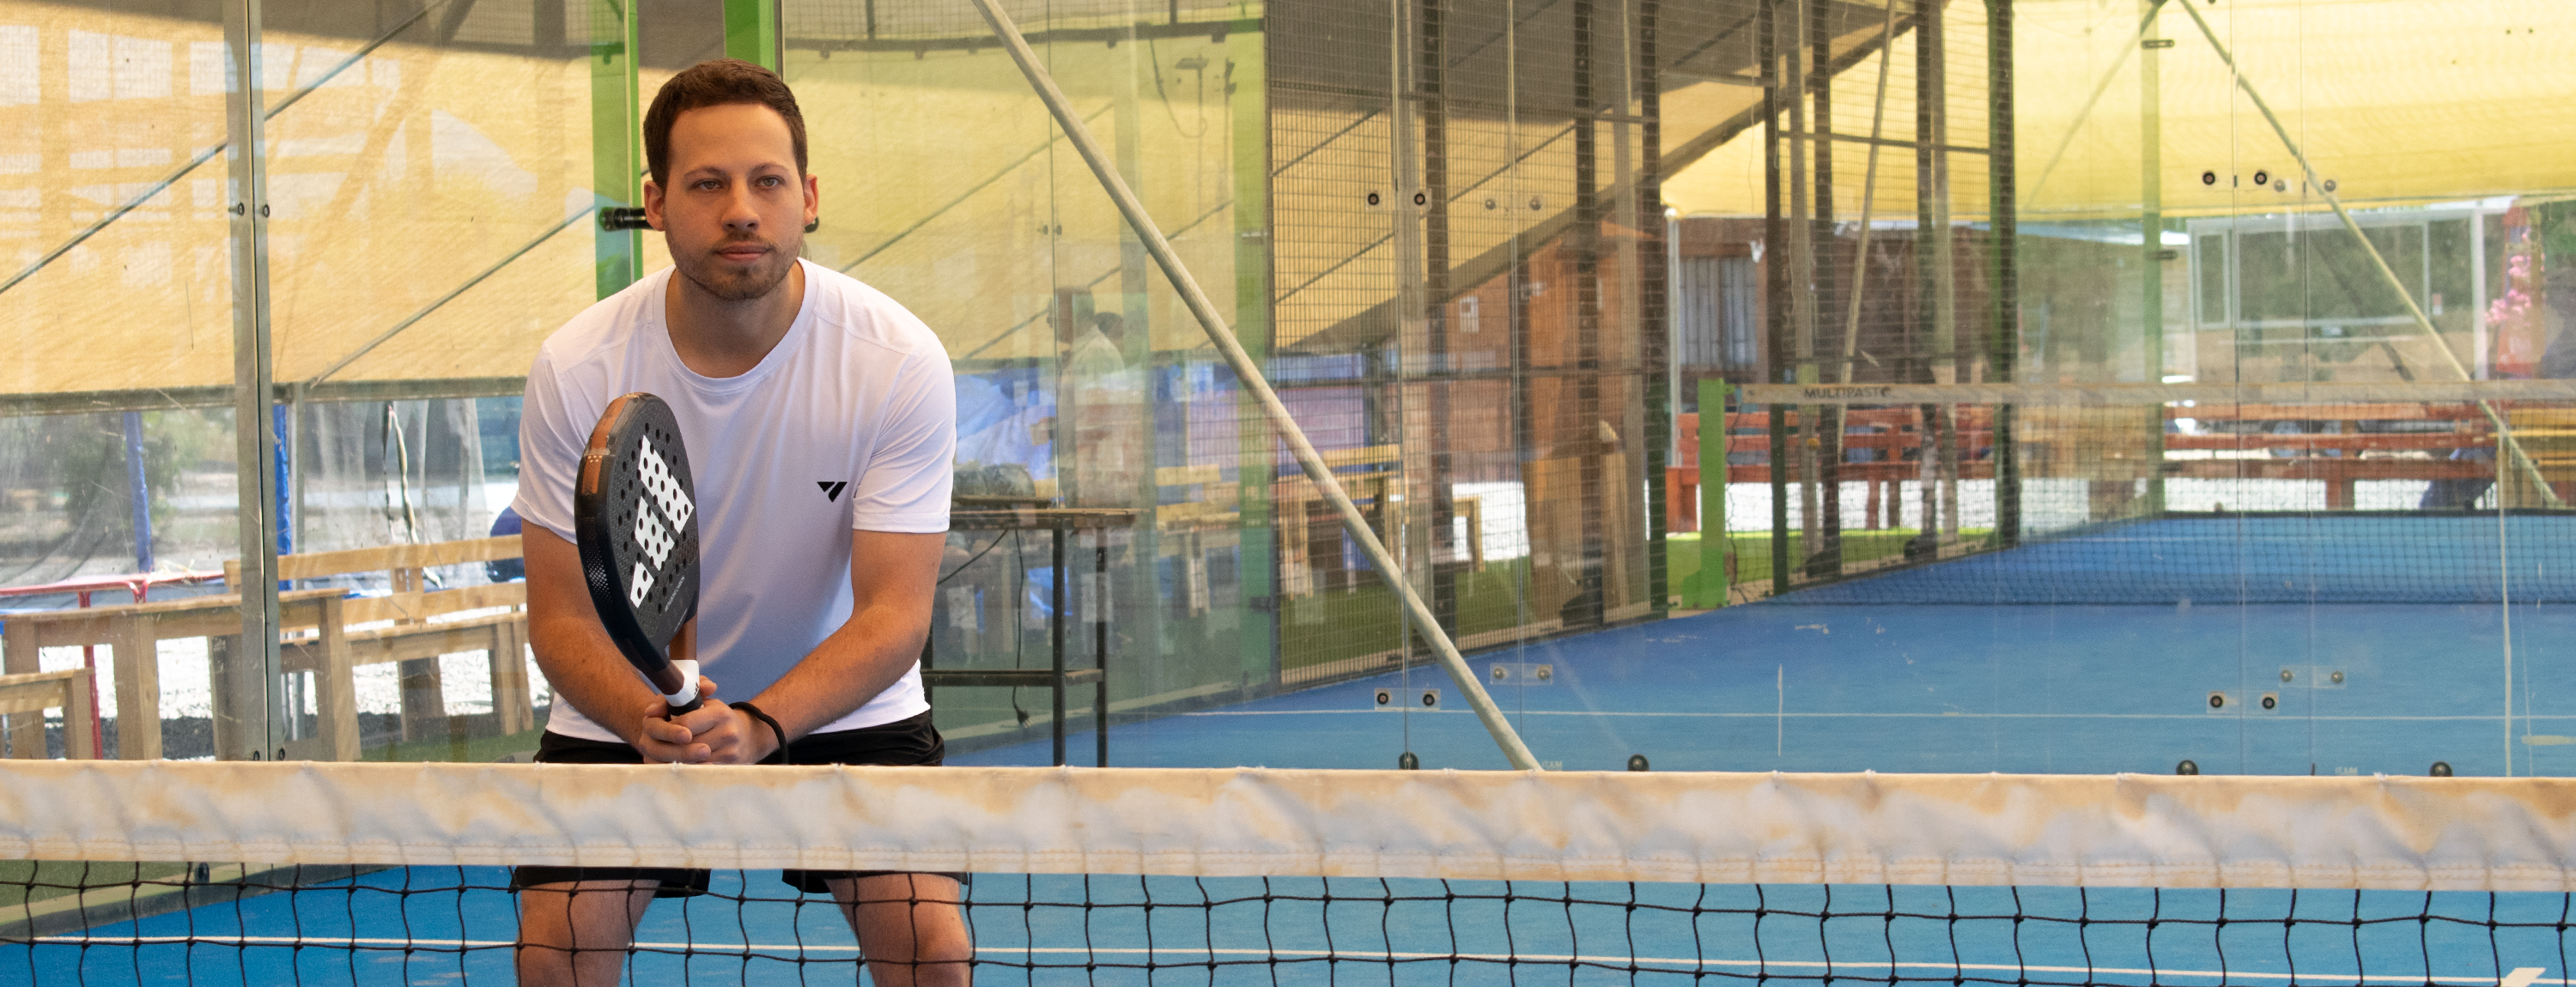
column 324, row 636
column 35, row 692
column 2053, row 443
column 134, row 633
column 414, row 625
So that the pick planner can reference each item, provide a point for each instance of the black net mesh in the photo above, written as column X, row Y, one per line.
column 215, row 923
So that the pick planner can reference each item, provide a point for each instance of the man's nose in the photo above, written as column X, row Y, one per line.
column 739, row 213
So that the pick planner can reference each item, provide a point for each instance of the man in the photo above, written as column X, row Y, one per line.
column 820, row 420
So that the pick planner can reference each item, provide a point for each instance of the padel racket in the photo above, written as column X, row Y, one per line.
column 635, row 513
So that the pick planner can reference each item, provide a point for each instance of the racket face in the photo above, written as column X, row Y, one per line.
column 635, row 508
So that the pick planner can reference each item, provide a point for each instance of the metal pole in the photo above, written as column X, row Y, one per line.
column 1313, row 462
column 1055, row 636
column 2151, row 241
column 251, row 668
column 2004, row 272
column 1100, row 649
column 1802, row 284
column 138, row 492
column 1868, row 198
column 1945, row 271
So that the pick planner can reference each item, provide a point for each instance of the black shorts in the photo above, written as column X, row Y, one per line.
column 903, row 742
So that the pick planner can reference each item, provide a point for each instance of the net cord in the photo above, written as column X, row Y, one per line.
column 1425, row 622
column 2504, row 431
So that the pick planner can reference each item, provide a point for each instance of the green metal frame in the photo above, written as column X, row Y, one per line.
column 1708, row 587
column 616, row 152
column 751, row 32
column 1257, row 464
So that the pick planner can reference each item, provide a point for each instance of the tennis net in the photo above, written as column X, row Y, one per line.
column 2147, row 493
column 125, row 872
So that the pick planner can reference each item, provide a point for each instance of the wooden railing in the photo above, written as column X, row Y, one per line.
column 323, row 632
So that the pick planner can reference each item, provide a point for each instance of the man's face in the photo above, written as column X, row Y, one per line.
column 736, row 210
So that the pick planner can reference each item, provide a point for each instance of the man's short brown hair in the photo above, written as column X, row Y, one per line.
column 722, row 82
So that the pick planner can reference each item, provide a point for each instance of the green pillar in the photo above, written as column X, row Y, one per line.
column 1708, row 587
column 1248, row 113
column 616, row 140
column 751, row 32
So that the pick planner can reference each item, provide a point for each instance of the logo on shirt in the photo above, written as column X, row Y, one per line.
column 832, row 489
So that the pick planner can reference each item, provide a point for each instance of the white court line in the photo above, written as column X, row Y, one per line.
column 2520, row 977
column 2286, row 717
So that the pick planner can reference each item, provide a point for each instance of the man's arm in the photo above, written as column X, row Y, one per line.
column 892, row 577
column 583, row 665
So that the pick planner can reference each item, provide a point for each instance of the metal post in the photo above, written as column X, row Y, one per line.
column 138, row 492
column 1716, row 584
column 1055, row 633
column 1799, row 255
column 1775, row 286
column 1183, row 284
column 1827, row 562
column 1256, row 544
column 751, row 33
column 1654, row 307
column 615, row 158
column 1945, row 269
column 1431, row 80
column 1591, row 603
column 1099, row 649
column 2151, row 245
column 250, row 673
column 2004, row 270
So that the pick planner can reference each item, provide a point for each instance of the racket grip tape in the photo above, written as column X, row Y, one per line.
column 686, row 699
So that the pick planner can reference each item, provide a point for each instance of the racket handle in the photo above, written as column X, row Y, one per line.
column 687, row 699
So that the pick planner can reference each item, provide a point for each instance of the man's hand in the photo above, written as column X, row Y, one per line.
column 714, row 733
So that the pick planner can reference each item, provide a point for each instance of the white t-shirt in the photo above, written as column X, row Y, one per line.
column 850, row 423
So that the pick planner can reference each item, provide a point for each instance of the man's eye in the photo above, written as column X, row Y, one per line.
column 771, row 181
column 710, row 185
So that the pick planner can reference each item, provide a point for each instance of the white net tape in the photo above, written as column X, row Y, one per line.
column 2088, row 830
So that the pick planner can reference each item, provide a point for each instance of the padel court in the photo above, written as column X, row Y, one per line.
column 1790, row 685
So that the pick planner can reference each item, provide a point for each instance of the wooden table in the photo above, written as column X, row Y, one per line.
column 1030, row 514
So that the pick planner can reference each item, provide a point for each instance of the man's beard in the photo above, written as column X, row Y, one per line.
column 763, row 277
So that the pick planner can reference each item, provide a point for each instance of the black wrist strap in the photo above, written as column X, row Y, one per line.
column 778, row 756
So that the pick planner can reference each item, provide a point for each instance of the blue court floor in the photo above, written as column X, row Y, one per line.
column 2071, row 688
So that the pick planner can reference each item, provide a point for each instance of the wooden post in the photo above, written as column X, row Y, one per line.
column 78, row 743
column 26, row 730
column 27, row 695
column 336, row 684
column 138, row 687
column 512, row 702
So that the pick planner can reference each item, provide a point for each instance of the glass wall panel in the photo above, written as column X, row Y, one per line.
column 1083, row 382
column 432, row 170
column 116, row 313
column 2220, row 398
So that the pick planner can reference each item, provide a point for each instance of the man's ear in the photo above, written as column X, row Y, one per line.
column 813, row 200
column 653, row 203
